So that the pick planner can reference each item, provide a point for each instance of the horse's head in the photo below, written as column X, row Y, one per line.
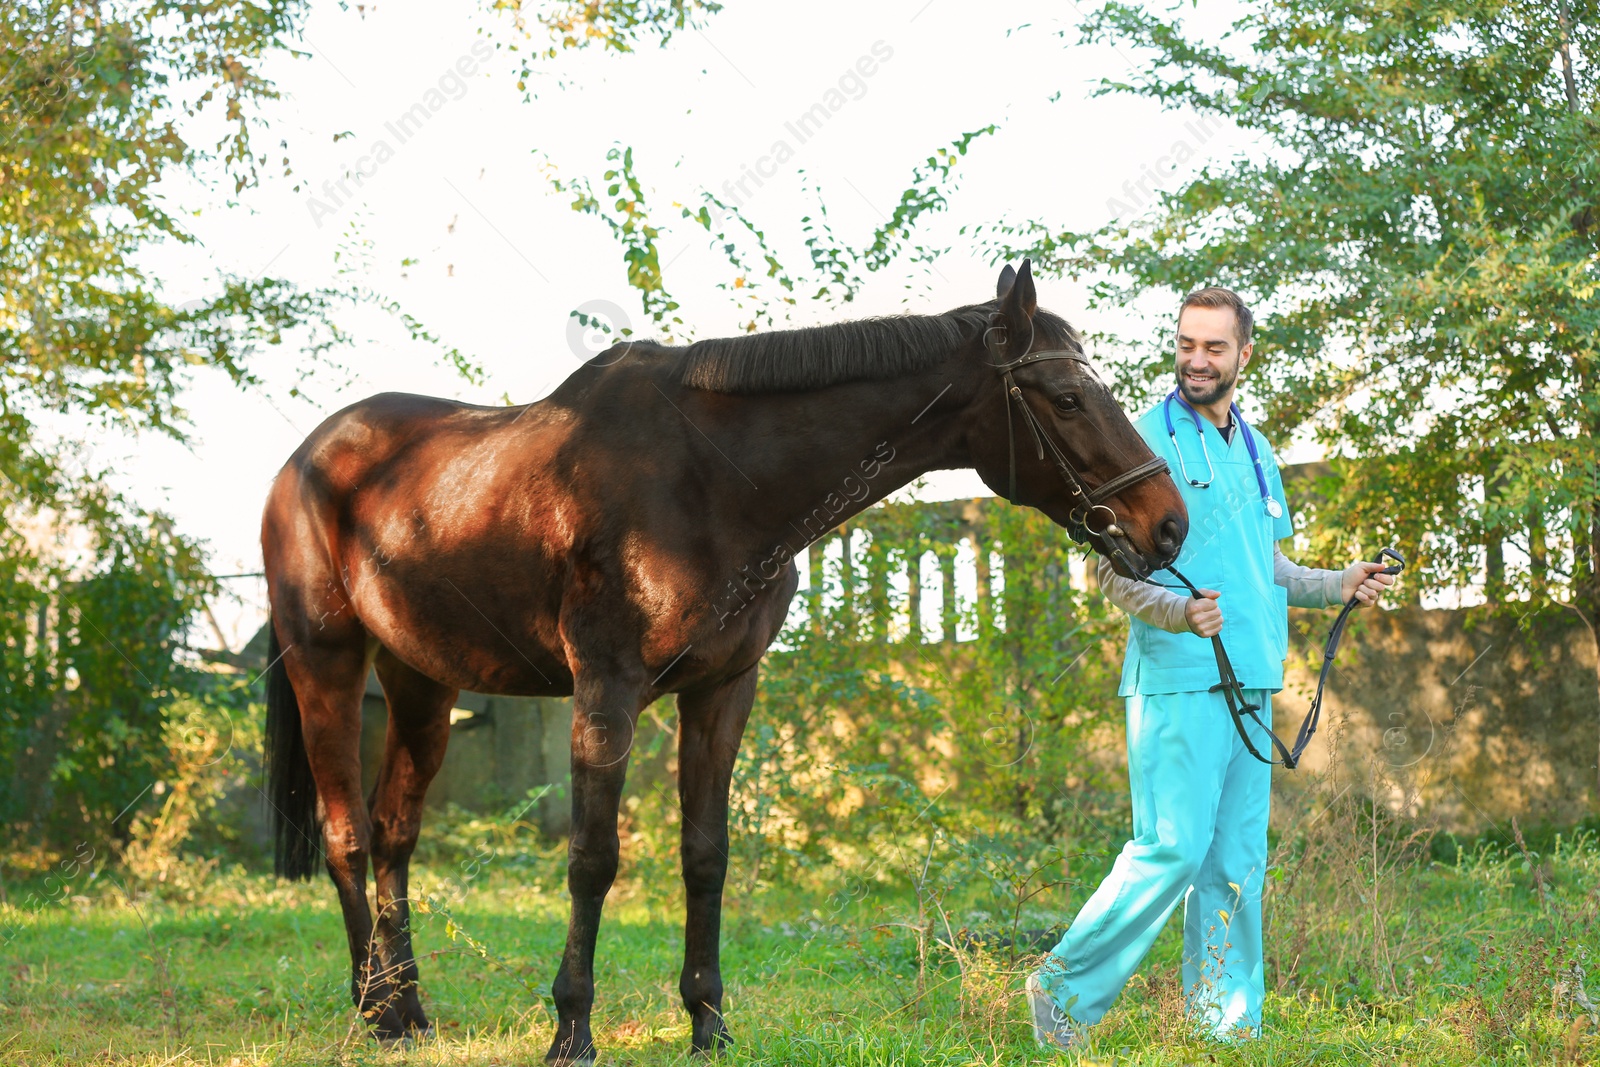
column 1049, row 434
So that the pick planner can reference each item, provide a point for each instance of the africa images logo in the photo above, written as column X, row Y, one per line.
column 450, row 86
column 851, row 85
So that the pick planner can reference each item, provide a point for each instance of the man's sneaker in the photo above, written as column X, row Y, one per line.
column 1052, row 1027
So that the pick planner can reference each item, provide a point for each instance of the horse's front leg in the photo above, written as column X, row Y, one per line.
column 605, row 711
column 712, row 723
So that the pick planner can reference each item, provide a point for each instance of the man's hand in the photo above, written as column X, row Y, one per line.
column 1202, row 613
column 1362, row 581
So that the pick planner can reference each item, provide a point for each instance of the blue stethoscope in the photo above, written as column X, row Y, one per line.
column 1274, row 508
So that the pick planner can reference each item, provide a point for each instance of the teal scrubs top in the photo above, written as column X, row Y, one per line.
column 1229, row 549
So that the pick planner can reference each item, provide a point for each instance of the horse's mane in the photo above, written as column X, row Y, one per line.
column 860, row 350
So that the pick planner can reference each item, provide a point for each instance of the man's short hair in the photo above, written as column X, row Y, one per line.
column 1215, row 296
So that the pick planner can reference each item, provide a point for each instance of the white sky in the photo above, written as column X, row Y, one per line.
column 500, row 261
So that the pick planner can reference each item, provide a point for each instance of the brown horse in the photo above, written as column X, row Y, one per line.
column 630, row 536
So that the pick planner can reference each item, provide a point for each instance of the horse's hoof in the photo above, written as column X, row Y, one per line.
column 717, row 1042
column 569, row 1053
column 386, row 1026
column 408, row 1039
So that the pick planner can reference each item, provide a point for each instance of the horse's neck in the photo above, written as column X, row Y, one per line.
column 837, row 451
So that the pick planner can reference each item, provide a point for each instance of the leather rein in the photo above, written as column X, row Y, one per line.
column 1233, row 692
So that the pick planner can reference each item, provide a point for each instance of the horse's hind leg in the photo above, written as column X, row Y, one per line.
column 711, row 724
column 327, row 666
column 419, row 729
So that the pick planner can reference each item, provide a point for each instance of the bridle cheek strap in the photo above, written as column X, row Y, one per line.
column 1009, row 384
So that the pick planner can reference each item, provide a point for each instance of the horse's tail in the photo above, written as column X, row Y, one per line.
column 291, row 790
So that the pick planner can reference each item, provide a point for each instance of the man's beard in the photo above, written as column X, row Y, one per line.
column 1213, row 391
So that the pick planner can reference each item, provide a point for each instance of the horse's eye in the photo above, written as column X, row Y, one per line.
column 1066, row 403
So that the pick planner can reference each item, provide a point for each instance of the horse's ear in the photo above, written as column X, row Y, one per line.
column 1018, row 302
column 1007, row 278
column 1027, row 299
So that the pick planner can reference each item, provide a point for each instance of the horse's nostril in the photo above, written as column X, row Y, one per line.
column 1169, row 536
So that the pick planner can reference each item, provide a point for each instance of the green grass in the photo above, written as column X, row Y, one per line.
column 239, row 969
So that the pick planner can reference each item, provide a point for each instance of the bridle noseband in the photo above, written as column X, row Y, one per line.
column 1087, row 503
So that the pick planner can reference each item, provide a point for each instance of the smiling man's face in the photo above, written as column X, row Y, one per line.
column 1209, row 356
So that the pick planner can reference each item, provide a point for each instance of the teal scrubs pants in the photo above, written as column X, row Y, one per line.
column 1200, row 837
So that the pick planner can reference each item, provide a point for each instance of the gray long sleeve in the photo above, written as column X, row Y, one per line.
column 1161, row 608
column 1309, row 587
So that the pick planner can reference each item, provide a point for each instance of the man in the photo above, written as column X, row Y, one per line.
column 1199, row 797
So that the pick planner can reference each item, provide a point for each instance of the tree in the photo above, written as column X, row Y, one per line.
column 837, row 269
column 1422, row 235
column 610, row 25
column 96, row 591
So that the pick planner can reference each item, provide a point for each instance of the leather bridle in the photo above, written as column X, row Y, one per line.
column 1087, row 504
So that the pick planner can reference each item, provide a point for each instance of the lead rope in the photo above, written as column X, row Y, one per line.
column 1233, row 692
